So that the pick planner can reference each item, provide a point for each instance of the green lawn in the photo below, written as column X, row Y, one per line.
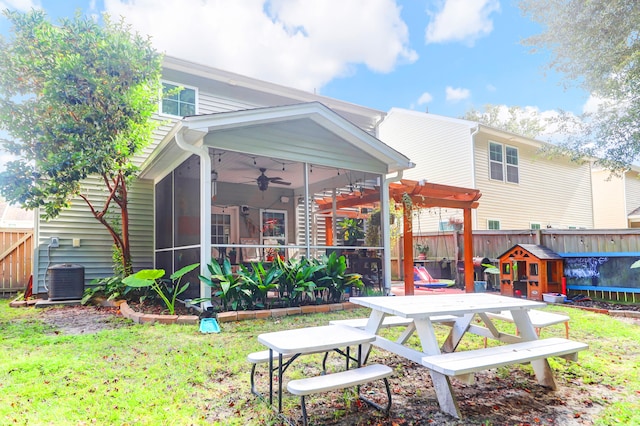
column 174, row 375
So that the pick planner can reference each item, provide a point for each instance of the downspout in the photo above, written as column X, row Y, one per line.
column 473, row 171
column 386, row 230
column 205, row 204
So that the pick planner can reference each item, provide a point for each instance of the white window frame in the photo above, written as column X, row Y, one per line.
column 489, row 224
column 185, row 87
column 505, row 165
column 532, row 224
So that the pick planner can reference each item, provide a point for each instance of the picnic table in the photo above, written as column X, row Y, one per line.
column 442, row 360
column 309, row 340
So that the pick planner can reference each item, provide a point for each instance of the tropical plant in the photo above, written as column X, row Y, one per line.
column 75, row 102
column 297, row 280
column 110, row 288
column 260, row 281
column 225, row 285
column 168, row 291
column 335, row 278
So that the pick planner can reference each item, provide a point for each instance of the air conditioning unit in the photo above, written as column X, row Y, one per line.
column 65, row 282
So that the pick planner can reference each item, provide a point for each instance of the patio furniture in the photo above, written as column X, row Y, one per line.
column 310, row 340
column 422, row 309
column 342, row 380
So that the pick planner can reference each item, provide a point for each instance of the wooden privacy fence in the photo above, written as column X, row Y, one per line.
column 16, row 259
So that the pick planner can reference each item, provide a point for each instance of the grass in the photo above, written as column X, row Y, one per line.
column 174, row 375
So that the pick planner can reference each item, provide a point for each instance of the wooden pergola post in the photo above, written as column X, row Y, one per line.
column 407, row 254
column 468, row 251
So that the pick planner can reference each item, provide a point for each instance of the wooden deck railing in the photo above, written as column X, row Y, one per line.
column 16, row 259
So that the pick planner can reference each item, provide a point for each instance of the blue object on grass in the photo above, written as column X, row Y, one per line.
column 209, row 325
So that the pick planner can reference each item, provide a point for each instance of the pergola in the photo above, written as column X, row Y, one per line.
column 414, row 195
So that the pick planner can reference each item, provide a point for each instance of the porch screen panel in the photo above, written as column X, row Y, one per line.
column 187, row 203
column 164, row 260
column 183, row 258
column 164, row 216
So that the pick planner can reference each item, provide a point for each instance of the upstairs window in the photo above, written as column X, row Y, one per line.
column 178, row 100
column 503, row 162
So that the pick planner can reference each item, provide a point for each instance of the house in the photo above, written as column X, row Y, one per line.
column 616, row 199
column 235, row 166
column 521, row 188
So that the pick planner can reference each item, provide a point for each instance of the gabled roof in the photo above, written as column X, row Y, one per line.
column 257, row 131
column 539, row 251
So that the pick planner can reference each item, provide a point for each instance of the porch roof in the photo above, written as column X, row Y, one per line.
column 306, row 132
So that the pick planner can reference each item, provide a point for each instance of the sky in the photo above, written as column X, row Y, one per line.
column 440, row 56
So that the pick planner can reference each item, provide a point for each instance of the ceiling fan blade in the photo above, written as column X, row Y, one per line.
column 279, row 182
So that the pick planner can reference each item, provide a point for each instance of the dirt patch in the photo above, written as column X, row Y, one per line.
column 507, row 396
column 83, row 319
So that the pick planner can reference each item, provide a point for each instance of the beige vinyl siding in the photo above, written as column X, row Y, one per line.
column 553, row 192
column 95, row 249
column 632, row 191
column 441, row 149
column 608, row 201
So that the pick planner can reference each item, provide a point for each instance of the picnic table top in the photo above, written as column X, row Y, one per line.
column 445, row 304
column 314, row 339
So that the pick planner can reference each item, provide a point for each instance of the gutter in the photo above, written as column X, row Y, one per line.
column 474, row 214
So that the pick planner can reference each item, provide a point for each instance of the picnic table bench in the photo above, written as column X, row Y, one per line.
column 290, row 344
column 344, row 379
column 465, row 363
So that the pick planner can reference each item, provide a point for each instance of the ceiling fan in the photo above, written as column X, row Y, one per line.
column 263, row 180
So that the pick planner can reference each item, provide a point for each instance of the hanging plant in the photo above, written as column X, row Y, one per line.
column 407, row 205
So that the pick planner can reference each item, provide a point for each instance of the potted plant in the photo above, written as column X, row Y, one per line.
column 352, row 231
column 422, row 250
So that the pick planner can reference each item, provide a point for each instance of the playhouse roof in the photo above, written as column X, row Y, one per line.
column 539, row 251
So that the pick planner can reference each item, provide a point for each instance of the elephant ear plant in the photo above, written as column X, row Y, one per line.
column 167, row 291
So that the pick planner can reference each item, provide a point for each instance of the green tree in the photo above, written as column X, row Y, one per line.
column 596, row 45
column 512, row 119
column 76, row 101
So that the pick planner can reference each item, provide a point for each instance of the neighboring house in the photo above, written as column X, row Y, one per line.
column 258, row 154
column 521, row 189
column 616, row 199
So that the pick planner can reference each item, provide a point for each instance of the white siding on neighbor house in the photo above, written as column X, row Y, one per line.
column 608, row 201
column 95, row 251
column 632, row 191
column 552, row 192
column 441, row 149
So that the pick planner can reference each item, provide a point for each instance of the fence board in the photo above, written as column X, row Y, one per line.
column 16, row 259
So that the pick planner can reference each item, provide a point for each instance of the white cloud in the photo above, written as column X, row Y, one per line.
column 457, row 94
column 491, row 88
column 299, row 43
column 462, row 20
column 21, row 5
column 425, row 98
